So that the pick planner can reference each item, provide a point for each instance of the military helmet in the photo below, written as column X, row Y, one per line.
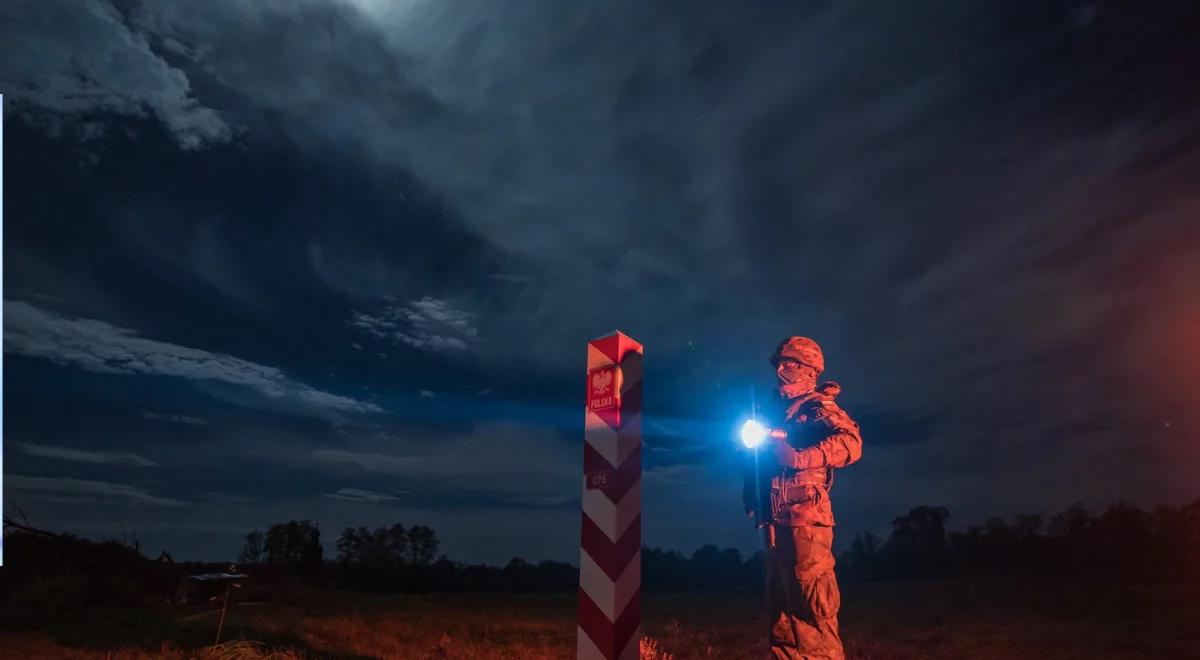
column 801, row 349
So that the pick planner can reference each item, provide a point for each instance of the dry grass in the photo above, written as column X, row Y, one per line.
column 38, row 646
column 650, row 649
column 963, row 620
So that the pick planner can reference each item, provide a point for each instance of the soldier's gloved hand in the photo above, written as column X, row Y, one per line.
column 781, row 452
column 786, row 456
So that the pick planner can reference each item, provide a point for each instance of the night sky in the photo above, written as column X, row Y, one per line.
column 340, row 259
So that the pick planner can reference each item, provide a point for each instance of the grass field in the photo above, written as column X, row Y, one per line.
column 960, row 620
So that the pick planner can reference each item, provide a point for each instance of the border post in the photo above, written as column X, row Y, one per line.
column 610, row 557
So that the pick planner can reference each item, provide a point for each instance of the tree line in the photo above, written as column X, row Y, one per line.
column 294, row 545
column 1121, row 540
column 56, row 576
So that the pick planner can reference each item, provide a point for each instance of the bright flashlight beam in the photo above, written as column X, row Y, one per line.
column 753, row 433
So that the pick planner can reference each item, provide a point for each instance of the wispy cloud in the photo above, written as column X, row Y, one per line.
column 84, row 456
column 371, row 461
column 360, row 495
column 104, row 348
column 178, row 419
column 86, row 487
column 426, row 394
column 428, row 324
column 73, row 60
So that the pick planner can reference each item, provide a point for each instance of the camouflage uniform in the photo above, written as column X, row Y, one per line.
column 787, row 488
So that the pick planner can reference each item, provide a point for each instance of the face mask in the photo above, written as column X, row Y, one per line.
column 793, row 390
column 794, row 380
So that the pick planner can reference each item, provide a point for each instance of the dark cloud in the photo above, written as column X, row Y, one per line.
column 70, row 62
column 984, row 214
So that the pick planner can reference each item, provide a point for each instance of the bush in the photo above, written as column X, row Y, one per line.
column 50, row 577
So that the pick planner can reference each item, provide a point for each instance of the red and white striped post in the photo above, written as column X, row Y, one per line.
column 610, row 558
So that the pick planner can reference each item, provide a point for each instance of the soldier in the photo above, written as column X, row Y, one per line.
column 787, row 493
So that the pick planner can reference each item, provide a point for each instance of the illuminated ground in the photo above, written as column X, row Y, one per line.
column 979, row 620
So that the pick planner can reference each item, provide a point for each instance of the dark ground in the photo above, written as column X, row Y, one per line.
column 968, row 619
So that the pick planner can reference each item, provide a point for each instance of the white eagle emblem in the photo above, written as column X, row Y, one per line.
column 601, row 383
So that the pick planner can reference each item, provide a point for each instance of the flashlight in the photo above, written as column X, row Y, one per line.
column 754, row 433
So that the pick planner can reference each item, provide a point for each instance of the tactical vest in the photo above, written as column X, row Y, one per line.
column 790, row 497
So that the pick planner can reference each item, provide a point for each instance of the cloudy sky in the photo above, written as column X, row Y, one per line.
column 339, row 259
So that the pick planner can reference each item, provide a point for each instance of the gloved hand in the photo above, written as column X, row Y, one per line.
column 788, row 457
column 781, row 452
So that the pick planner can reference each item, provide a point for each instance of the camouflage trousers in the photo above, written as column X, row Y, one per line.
column 802, row 595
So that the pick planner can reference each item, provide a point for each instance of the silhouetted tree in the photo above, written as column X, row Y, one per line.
column 1027, row 527
column 712, row 567
column 254, row 550
column 422, row 545
column 295, row 545
column 1074, row 522
column 314, row 552
column 1187, row 536
column 396, row 540
column 1070, row 532
column 373, row 549
column 387, row 558
column 917, row 545
column 663, row 569
column 1176, row 536
column 349, row 546
column 1123, row 537
column 861, row 560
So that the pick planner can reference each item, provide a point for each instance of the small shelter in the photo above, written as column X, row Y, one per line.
column 207, row 586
